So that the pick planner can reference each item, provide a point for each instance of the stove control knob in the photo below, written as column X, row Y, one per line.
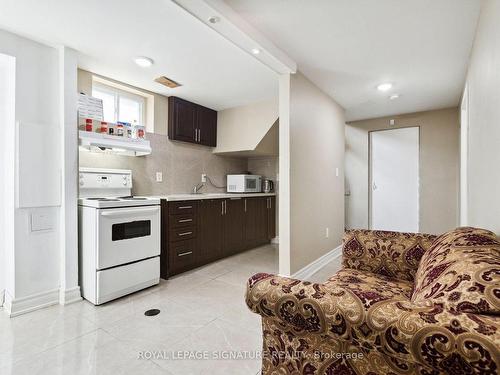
column 81, row 183
column 125, row 183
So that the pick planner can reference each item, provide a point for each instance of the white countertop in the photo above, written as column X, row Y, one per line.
column 191, row 197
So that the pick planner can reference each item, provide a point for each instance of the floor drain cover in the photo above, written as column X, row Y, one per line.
column 152, row 312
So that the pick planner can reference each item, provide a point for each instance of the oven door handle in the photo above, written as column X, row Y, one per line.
column 122, row 213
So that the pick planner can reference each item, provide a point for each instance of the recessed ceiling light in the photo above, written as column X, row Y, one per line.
column 394, row 96
column 255, row 51
column 214, row 19
column 384, row 86
column 143, row 61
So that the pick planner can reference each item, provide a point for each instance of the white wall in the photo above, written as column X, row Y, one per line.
column 35, row 270
column 242, row 128
column 483, row 81
column 438, row 167
column 315, row 148
column 7, row 115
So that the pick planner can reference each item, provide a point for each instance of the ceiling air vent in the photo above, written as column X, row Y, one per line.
column 167, row 82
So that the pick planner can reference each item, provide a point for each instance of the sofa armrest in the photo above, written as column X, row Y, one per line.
column 304, row 306
column 439, row 339
column 391, row 254
column 427, row 336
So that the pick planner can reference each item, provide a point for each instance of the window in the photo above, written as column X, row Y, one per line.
column 120, row 105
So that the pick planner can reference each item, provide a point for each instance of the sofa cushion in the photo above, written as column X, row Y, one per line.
column 392, row 254
column 370, row 288
column 461, row 270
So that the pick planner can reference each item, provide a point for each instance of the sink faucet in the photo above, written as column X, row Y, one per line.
column 197, row 188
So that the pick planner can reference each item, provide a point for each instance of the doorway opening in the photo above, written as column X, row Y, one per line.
column 394, row 179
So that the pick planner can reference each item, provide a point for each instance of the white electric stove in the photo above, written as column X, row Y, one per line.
column 119, row 236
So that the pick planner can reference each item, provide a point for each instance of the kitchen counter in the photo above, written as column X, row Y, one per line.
column 194, row 197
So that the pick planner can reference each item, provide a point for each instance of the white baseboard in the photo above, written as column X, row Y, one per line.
column 18, row 306
column 276, row 240
column 315, row 266
column 70, row 295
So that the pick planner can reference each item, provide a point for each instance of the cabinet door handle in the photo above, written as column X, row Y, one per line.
column 184, row 207
column 184, row 220
column 185, row 234
column 270, row 203
column 199, row 135
column 183, row 254
column 225, row 207
column 245, row 205
column 222, row 208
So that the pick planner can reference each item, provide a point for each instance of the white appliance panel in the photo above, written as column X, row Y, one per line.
column 244, row 183
column 120, row 281
column 127, row 234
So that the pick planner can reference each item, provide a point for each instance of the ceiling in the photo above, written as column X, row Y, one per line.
column 109, row 34
column 348, row 47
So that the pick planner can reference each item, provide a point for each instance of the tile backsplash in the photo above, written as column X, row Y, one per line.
column 180, row 163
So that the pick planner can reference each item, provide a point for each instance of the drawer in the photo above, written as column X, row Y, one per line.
column 181, row 256
column 182, row 207
column 181, row 220
column 183, row 233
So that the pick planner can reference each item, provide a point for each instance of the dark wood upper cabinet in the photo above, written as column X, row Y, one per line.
column 190, row 122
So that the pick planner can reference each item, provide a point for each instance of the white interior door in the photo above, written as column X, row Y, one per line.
column 394, row 183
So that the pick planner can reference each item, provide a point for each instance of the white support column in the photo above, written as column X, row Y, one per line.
column 7, row 178
column 69, row 288
column 284, row 168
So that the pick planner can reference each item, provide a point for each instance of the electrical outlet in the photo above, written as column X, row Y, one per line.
column 203, row 177
column 327, row 232
column 159, row 177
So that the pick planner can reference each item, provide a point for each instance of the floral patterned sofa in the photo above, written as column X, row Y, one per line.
column 403, row 303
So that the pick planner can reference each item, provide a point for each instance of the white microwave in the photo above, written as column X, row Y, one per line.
column 243, row 183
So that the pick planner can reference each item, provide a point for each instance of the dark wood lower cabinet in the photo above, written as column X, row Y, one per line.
column 233, row 226
column 198, row 232
column 210, row 236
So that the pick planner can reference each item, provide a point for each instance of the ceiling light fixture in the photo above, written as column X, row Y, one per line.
column 214, row 19
column 255, row 51
column 394, row 96
column 384, row 86
column 143, row 61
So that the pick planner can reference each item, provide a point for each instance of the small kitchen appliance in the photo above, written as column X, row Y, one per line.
column 267, row 186
column 119, row 236
column 243, row 183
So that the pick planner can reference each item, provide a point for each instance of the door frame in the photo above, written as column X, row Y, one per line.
column 370, row 199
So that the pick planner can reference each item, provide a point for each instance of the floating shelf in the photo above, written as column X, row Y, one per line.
column 112, row 144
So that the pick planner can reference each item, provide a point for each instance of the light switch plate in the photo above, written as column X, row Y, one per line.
column 159, row 176
column 41, row 221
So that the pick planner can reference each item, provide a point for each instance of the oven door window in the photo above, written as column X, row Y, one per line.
column 132, row 229
column 251, row 183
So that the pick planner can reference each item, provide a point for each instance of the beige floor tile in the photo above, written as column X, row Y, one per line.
column 203, row 309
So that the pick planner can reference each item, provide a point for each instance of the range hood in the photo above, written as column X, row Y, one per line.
column 112, row 144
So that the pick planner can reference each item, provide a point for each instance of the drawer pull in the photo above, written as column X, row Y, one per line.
column 185, row 234
column 183, row 254
column 184, row 207
column 184, row 220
